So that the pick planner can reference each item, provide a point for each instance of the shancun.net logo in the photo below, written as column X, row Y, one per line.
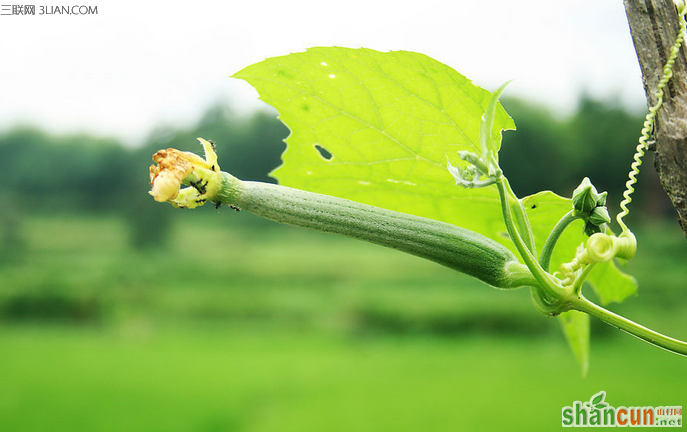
column 597, row 413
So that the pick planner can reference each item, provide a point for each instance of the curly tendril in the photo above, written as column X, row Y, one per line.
column 603, row 247
column 600, row 248
column 650, row 119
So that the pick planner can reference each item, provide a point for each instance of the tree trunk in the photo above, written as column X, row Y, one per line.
column 654, row 25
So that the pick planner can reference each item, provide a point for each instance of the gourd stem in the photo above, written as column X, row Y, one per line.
column 545, row 280
column 521, row 219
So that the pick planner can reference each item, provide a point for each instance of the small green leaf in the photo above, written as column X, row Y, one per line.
column 611, row 284
column 487, row 124
column 576, row 329
column 598, row 398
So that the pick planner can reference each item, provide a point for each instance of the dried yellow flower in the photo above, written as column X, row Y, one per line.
column 176, row 168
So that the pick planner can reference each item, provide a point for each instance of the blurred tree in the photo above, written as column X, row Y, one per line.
column 531, row 155
column 60, row 172
column 602, row 138
column 12, row 240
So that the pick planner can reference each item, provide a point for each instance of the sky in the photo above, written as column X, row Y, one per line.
column 138, row 65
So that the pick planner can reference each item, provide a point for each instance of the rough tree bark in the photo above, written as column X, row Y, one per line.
column 654, row 26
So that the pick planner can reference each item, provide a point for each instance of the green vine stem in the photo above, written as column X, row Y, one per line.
column 631, row 327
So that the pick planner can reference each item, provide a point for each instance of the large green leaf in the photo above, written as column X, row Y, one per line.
column 379, row 128
column 390, row 122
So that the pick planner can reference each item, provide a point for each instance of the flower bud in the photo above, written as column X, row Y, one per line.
column 601, row 200
column 591, row 229
column 585, row 197
column 599, row 216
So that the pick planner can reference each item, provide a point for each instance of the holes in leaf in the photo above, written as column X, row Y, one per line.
column 326, row 155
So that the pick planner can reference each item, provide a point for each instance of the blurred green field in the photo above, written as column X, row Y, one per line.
column 241, row 326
